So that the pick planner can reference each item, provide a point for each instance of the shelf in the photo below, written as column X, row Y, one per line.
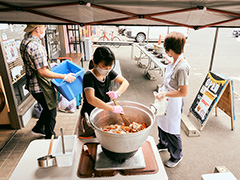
column 18, row 78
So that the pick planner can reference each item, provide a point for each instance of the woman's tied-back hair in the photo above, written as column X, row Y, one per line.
column 175, row 41
column 105, row 55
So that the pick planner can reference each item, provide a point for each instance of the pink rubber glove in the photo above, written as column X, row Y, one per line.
column 69, row 77
column 113, row 94
column 118, row 109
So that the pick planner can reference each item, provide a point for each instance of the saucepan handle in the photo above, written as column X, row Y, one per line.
column 88, row 120
column 152, row 105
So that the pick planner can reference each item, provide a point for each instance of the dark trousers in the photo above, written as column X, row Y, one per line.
column 171, row 141
column 47, row 119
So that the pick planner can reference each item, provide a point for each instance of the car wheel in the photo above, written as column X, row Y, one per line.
column 140, row 37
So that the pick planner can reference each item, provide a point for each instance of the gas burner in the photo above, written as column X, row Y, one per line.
column 103, row 162
column 86, row 168
column 119, row 157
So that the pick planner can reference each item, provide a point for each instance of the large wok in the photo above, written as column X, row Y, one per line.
column 120, row 146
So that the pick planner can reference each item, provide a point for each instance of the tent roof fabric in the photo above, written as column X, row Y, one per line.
column 193, row 14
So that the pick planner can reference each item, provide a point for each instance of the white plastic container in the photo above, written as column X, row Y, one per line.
column 160, row 105
column 65, row 160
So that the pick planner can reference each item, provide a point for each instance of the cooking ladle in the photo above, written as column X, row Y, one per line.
column 63, row 146
column 48, row 160
column 125, row 120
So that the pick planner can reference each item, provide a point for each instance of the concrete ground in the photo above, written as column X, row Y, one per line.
column 216, row 146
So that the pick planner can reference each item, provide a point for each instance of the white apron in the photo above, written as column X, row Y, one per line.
column 171, row 121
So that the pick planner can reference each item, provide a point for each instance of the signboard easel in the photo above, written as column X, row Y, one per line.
column 215, row 92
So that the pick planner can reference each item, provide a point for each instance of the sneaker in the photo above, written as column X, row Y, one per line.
column 172, row 163
column 49, row 137
column 38, row 132
column 161, row 147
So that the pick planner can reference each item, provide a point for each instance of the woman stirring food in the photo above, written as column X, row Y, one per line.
column 96, row 84
column 175, row 87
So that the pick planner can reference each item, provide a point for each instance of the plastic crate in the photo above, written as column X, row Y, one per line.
column 69, row 90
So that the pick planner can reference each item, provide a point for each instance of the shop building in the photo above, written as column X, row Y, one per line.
column 16, row 103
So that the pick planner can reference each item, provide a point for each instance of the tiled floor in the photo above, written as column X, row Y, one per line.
column 6, row 132
column 13, row 151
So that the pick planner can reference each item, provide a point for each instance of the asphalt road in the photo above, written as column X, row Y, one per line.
column 198, row 52
column 199, row 48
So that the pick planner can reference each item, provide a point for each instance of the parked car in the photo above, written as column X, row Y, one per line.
column 236, row 32
column 152, row 33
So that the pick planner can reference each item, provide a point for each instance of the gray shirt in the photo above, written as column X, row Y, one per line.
column 180, row 75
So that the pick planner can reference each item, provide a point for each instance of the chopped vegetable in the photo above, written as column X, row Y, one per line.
column 122, row 129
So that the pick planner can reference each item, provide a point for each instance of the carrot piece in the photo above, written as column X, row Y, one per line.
column 127, row 128
column 144, row 126
column 133, row 130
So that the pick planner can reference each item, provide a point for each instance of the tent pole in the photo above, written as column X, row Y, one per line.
column 213, row 51
column 148, row 35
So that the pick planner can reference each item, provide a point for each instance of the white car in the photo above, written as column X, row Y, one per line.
column 152, row 33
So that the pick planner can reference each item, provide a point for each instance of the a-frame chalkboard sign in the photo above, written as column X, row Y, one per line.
column 215, row 92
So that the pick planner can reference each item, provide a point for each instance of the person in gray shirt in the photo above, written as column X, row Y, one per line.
column 174, row 88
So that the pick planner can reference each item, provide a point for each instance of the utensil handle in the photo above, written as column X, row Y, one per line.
column 152, row 105
column 125, row 120
column 115, row 102
column 50, row 146
column 63, row 146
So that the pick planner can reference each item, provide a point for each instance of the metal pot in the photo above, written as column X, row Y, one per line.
column 126, row 144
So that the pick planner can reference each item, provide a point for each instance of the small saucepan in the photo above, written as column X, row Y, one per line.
column 48, row 160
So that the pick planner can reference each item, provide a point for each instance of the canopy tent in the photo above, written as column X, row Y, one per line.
column 193, row 14
column 196, row 14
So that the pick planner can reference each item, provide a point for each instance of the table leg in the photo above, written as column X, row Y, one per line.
column 161, row 72
column 132, row 51
column 148, row 66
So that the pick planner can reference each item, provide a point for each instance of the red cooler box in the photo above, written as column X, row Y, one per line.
column 69, row 90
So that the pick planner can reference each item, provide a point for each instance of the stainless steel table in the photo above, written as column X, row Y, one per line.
column 152, row 60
